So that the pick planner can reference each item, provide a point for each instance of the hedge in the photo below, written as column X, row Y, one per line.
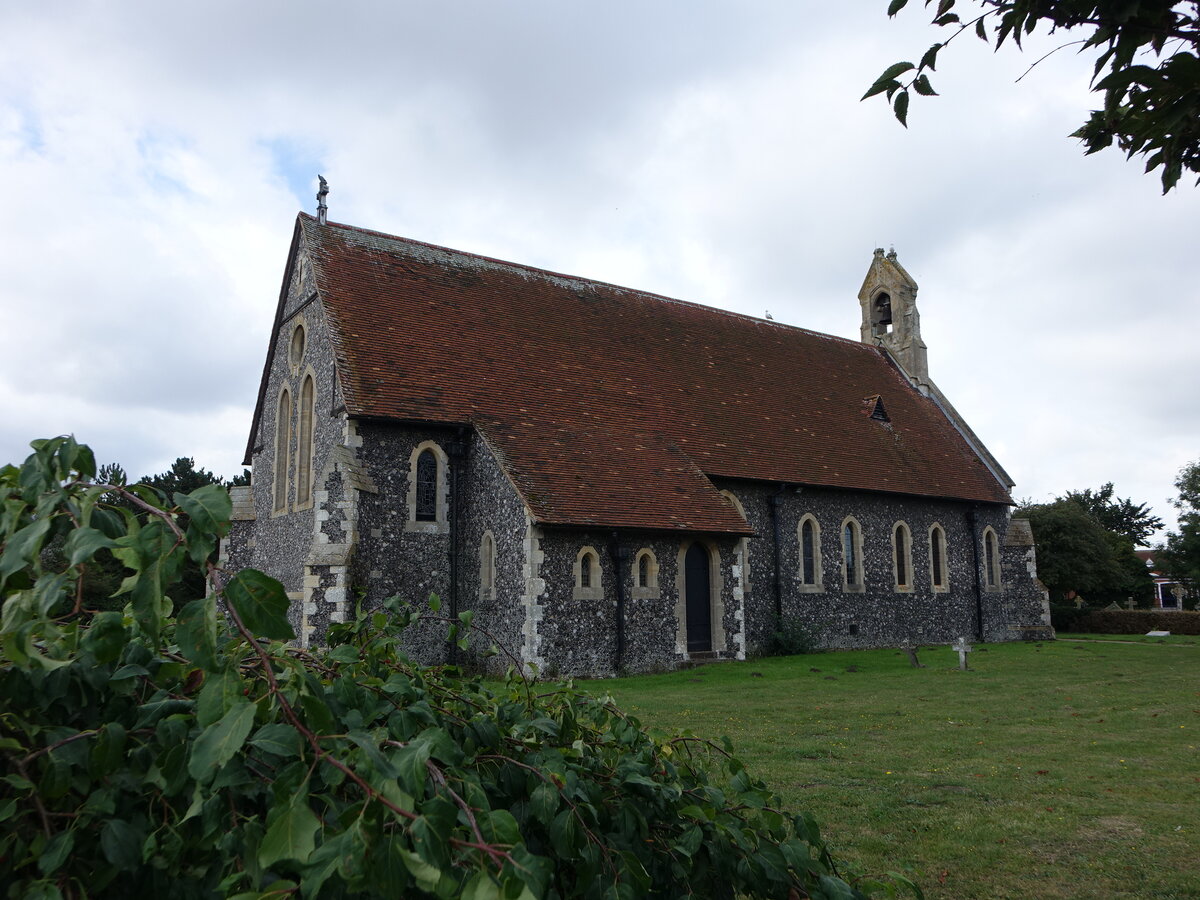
column 1127, row 621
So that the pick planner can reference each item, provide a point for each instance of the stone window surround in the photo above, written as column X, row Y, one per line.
column 991, row 551
column 856, row 533
column 595, row 590
column 944, row 587
column 716, row 598
column 440, row 524
column 743, row 547
column 901, row 531
column 818, row 585
column 299, row 504
column 295, row 358
column 649, row 590
column 487, row 567
column 283, row 452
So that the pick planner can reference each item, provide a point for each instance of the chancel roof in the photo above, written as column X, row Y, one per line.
column 613, row 407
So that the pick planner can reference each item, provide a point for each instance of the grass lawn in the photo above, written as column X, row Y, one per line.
column 1064, row 769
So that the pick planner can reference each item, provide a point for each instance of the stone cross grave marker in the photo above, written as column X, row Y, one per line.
column 962, row 648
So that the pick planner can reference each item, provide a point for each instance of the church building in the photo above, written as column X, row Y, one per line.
column 610, row 479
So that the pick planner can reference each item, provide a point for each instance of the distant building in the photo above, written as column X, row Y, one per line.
column 1168, row 593
column 614, row 480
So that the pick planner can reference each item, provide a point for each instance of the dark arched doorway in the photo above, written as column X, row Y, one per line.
column 699, row 599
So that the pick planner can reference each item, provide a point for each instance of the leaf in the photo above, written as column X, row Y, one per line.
column 56, row 852
column 929, row 60
column 481, row 887
column 901, row 108
column 261, row 604
column 196, row 632
column 22, row 547
column 219, row 742
column 208, row 508
column 121, row 843
column 895, row 6
column 292, row 834
column 894, row 70
column 221, row 692
column 924, row 88
column 426, row 874
column 278, row 739
column 83, row 543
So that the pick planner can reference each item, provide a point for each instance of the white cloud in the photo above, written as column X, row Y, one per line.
column 154, row 156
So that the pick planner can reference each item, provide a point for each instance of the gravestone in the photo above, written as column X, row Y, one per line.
column 962, row 648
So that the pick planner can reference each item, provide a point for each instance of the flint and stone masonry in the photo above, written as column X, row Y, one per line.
column 332, row 508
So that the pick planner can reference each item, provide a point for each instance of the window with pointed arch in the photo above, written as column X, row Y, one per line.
column 304, row 445
column 296, row 348
column 902, row 558
column 939, row 573
column 645, row 575
column 283, row 447
column 427, row 489
column 991, row 559
column 853, row 579
column 809, row 535
column 487, row 568
column 588, row 581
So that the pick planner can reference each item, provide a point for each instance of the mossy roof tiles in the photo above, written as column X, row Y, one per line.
column 612, row 407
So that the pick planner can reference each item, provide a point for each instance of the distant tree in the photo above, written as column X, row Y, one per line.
column 1078, row 555
column 242, row 480
column 1119, row 515
column 182, row 478
column 1180, row 555
column 1148, row 68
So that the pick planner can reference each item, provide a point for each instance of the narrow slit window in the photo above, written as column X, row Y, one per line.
column 937, row 556
column 427, row 471
column 283, row 444
column 304, row 450
column 808, row 547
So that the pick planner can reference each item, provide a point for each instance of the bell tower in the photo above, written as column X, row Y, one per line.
column 888, row 298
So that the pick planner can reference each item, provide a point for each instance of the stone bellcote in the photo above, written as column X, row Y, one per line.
column 888, row 298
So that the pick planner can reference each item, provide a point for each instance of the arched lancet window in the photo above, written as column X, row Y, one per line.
column 810, row 552
column 304, row 442
column 937, row 558
column 427, row 483
column 902, row 556
column 487, row 567
column 645, row 574
column 283, row 444
column 991, row 558
column 852, row 561
column 296, row 348
column 588, row 583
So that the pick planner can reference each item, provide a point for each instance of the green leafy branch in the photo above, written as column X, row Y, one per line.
column 1150, row 110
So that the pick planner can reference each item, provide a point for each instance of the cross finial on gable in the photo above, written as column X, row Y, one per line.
column 322, row 209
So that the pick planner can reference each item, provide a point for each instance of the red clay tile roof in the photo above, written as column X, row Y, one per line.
column 608, row 406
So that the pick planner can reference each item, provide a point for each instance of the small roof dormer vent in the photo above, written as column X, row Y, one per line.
column 874, row 408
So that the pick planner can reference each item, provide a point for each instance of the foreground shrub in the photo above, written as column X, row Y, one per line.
column 206, row 757
column 1137, row 621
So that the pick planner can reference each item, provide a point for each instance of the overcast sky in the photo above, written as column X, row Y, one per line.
column 154, row 156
